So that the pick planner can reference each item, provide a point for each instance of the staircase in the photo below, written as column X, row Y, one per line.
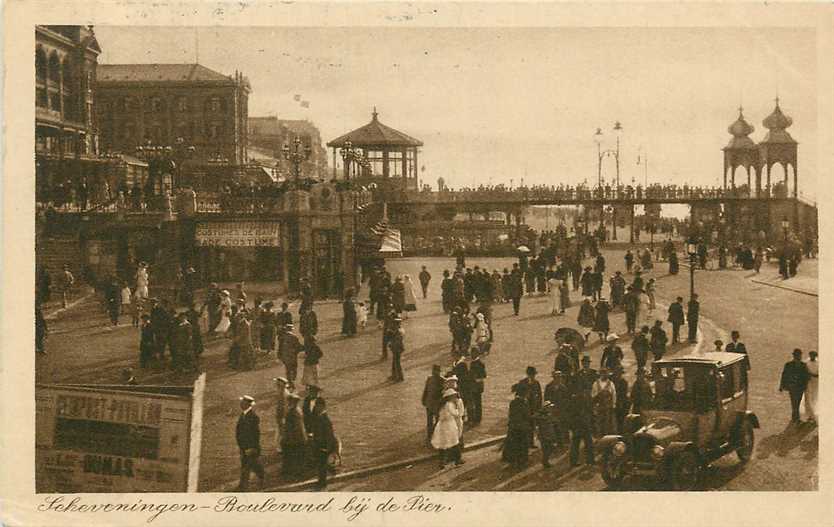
column 53, row 252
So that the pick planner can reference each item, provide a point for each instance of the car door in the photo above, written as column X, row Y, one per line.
column 731, row 400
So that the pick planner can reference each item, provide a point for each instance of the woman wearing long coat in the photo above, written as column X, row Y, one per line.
column 601, row 324
column 587, row 316
column 349, row 314
column 312, row 356
column 449, row 429
column 398, row 295
column 268, row 325
column 519, row 426
column 564, row 296
column 293, row 439
column 673, row 262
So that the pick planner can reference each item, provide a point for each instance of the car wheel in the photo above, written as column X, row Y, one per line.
column 746, row 441
column 684, row 471
column 613, row 471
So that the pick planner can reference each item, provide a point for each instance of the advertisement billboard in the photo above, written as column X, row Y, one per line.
column 118, row 438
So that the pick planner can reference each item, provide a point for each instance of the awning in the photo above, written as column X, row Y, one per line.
column 391, row 242
column 239, row 234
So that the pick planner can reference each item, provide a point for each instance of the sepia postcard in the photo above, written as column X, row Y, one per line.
column 347, row 263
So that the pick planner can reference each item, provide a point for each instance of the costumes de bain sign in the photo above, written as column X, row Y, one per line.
column 118, row 439
column 239, row 234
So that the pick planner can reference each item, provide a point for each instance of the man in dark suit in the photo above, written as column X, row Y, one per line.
column 795, row 377
column 735, row 346
column 534, row 395
column 248, row 434
column 676, row 318
column 324, row 441
column 432, row 399
column 516, row 289
column 582, row 413
column 477, row 372
column 693, row 313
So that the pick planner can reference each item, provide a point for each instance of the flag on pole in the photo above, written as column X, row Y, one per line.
column 296, row 97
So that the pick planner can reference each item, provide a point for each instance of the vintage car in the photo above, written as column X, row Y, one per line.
column 698, row 413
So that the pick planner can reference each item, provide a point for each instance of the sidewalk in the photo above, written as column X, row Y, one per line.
column 805, row 282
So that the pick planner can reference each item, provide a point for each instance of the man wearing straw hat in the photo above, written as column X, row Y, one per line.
column 248, row 435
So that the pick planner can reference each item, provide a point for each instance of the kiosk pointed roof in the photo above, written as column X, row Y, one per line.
column 375, row 134
column 740, row 130
column 776, row 123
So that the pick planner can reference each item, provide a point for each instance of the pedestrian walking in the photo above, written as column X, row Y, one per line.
column 478, row 374
column 641, row 392
column 629, row 260
column 534, row 395
column 425, row 278
column 324, row 442
column 693, row 311
column 612, row 354
column 294, row 439
column 349, row 314
column 676, row 318
column 142, row 280
column 604, row 396
column 564, row 296
column 795, row 377
column 516, row 290
column 147, row 342
column 448, row 432
column 582, row 413
column 622, row 402
column 631, row 302
column 432, row 399
column 113, row 299
column 658, row 340
column 312, row 357
column 519, row 428
column 811, row 389
column 248, row 435
column 558, row 395
column 481, row 333
column 281, row 406
column 674, row 266
column 397, row 346
column 554, row 295
column 544, row 421
column 288, row 349
column 601, row 324
column 587, row 316
column 651, row 287
column 409, row 298
column 735, row 345
column 398, row 295
column 268, row 328
column 640, row 346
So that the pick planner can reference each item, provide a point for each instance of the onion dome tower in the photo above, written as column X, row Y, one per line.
column 778, row 147
column 741, row 151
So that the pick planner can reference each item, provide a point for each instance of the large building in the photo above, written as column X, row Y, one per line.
column 171, row 105
column 66, row 140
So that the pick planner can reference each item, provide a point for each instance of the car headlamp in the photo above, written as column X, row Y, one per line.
column 619, row 448
column 657, row 452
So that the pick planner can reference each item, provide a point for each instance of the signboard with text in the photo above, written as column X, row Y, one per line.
column 239, row 234
column 118, row 438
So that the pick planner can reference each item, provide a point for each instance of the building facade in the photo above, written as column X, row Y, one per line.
column 66, row 138
column 269, row 134
column 171, row 105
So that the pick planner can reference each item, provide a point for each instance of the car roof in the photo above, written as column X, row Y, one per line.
column 717, row 358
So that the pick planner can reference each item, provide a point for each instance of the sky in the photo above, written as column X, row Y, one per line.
column 495, row 105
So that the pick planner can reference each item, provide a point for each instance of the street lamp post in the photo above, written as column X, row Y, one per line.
column 615, row 153
column 352, row 157
column 297, row 155
column 692, row 251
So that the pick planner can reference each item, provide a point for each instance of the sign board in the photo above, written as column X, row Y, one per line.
column 239, row 234
column 118, row 438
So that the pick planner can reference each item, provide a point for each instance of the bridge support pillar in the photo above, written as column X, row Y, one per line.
column 631, row 230
column 614, row 222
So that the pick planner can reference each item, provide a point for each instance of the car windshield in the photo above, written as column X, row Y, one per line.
column 682, row 388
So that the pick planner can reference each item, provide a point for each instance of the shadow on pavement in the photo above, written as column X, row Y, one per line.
column 793, row 436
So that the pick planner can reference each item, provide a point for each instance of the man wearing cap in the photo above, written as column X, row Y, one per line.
column 432, row 399
column 397, row 346
column 248, row 435
column 612, row 355
column 795, row 376
column 288, row 349
column 533, row 394
column 478, row 373
column 676, row 318
column 294, row 439
column 640, row 346
column 280, row 408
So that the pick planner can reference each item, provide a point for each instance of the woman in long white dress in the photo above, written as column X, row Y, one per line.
column 553, row 284
column 448, row 430
column 142, row 281
column 410, row 298
column 225, row 313
column 812, row 387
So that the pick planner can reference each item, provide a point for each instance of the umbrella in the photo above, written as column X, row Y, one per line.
column 523, row 249
column 570, row 336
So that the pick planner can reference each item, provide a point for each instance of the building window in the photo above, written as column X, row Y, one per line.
column 40, row 64
column 216, row 104
column 55, row 101
column 214, row 131
column 156, row 105
column 54, row 68
column 410, row 162
column 395, row 164
column 375, row 158
column 182, row 104
column 70, row 106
